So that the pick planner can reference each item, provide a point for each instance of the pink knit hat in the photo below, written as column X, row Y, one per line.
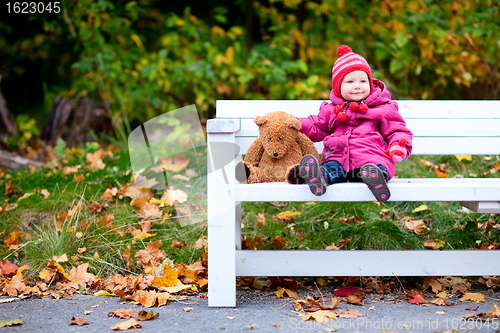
column 347, row 62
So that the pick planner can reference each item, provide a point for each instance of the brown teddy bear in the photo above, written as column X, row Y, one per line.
column 275, row 155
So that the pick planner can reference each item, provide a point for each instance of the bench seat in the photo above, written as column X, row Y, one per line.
column 439, row 128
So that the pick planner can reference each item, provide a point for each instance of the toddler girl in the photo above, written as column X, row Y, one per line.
column 362, row 131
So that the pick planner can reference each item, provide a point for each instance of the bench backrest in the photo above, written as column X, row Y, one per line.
column 439, row 127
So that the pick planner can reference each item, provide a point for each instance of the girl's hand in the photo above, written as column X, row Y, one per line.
column 397, row 151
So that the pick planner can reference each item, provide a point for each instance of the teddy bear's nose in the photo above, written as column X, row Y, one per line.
column 275, row 154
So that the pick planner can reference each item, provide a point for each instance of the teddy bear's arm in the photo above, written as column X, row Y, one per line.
column 306, row 145
column 254, row 153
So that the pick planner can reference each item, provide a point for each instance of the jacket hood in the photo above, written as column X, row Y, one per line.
column 379, row 95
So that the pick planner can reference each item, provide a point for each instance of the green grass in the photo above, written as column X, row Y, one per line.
column 318, row 226
column 380, row 226
column 36, row 217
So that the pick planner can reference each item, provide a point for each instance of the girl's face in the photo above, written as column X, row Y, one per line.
column 355, row 86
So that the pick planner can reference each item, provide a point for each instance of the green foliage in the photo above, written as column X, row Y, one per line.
column 142, row 60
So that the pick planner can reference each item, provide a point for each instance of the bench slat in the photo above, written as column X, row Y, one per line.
column 402, row 189
column 367, row 263
column 422, row 127
column 425, row 146
column 408, row 109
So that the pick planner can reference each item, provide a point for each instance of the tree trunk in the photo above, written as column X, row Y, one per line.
column 56, row 123
column 88, row 116
column 74, row 123
column 6, row 123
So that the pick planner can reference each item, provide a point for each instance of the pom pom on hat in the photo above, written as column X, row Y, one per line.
column 343, row 49
column 347, row 62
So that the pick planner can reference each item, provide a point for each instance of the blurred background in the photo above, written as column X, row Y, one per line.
column 97, row 69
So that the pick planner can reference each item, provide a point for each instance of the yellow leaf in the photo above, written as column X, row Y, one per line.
column 43, row 274
column 104, row 293
column 475, row 297
column 188, row 309
column 79, row 234
column 70, row 229
column 463, row 157
column 420, row 208
column 143, row 235
column 168, row 279
column 321, row 316
column 96, row 255
column 288, row 214
column 26, row 195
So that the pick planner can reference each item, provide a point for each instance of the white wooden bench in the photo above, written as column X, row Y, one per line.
column 439, row 128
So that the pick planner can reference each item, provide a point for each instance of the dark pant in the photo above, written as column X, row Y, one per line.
column 336, row 173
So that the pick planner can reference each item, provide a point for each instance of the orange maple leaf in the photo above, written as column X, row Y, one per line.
column 15, row 285
column 151, row 256
column 79, row 277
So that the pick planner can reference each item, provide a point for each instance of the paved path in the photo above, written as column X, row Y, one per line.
column 256, row 311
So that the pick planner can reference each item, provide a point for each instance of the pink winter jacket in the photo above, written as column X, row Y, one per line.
column 362, row 138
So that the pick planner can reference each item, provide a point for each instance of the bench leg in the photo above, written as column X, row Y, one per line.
column 222, row 210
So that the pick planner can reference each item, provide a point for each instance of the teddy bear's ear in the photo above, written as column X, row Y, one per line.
column 293, row 123
column 260, row 120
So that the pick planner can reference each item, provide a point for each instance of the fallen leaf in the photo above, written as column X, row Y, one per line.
column 25, row 196
column 282, row 290
column 95, row 160
column 433, row 245
column 356, row 299
column 147, row 298
column 321, row 316
column 474, row 297
column 434, row 284
column 261, row 220
column 79, row 277
column 177, row 244
column 276, row 325
column 126, row 325
column 151, row 256
column 78, row 321
column 439, row 301
column 415, row 297
column 441, row 171
column 420, row 208
column 151, row 210
column 417, row 227
column 168, row 279
column 122, row 313
column 13, row 322
column 178, row 164
column 143, row 315
column 349, row 314
column 464, row 157
column 15, row 285
column 45, row 194
column 188, row 309
column 344, row 292
column 7, row 268
column 489, row 317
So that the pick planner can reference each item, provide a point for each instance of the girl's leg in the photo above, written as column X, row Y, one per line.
column 376, row 177
column 314, row 175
